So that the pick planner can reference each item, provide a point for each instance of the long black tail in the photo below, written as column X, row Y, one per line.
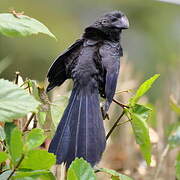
column 80, row 132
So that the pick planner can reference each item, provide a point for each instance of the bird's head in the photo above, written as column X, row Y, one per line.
column 109, row 23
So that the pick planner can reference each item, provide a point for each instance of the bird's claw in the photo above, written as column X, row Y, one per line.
column 104, row 114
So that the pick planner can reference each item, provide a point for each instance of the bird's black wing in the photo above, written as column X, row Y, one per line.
column 110, row 55
column 57, row 73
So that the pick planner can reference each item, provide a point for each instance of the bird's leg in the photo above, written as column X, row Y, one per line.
column 104, row 113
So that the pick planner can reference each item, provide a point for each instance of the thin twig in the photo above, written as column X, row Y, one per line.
column 35, row 122
column 17, row 77
column 158, row 170
column 124, row 91
column 4, row 171
column 97, row 170
column 28, row 122
column 16, row 167
column 29, row 88
column 120, row 104
column 115, row 125
column 119, row 124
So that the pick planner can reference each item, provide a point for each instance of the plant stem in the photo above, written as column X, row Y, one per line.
column 120, row 104
column 16, row 167
column 28, row 122
column 35, row 122
column 17, row 77
column 125, row 91
column 29, row 87
column 115, row 125
column 166, row 150
column 119, row 124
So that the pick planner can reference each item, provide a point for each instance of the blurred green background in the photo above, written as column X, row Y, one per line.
column 151, row 44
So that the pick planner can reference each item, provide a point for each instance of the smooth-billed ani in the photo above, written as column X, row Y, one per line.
column 93, row 63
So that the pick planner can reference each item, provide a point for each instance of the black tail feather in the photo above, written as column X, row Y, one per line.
column 81, row 131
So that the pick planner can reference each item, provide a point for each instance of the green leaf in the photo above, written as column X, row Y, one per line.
column 57, row 109
column 139, row 115
column 2, row 134
column 15, row 102
column 34, row 138
column 152, row 120
column 14, row 142
column 36, row 174
column 3, row 156
column 8, row 128
column 21, row 26
column 174, row 139
column 115, row 178
column 41, row 116
column 178, row 167
column 143, row 89
column 35, row 92
column 80, row 170
column 48, row 176
column 38, row 159
column 5, row 175
column 115, row 175
column 174, row 106
column 16, row 145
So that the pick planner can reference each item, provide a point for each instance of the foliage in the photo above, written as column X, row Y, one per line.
column 139, row 115
column 115, row 175
column 14, row 101
column 34, row 138
column 16, row 24
column 19, row 145
column 80, row 170
column 23, row 155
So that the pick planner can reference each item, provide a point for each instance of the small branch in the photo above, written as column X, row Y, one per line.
column 4, row 171
column 17, row 77
column 125, row 91
column 115, row 125
column 28, row 122
column 120, row 104
column 16, row 167
column 97, row 170
column 35, row 122
column 166, row 150
column 29, row 88
column 119, row 124
column 47, row 130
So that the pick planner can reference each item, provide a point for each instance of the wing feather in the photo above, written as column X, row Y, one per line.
column 57, row 72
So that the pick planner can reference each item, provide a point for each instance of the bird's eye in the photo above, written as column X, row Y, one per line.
column 104, row 21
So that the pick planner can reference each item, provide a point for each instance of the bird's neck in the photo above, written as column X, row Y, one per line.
column 95, row 34
column 113, row 36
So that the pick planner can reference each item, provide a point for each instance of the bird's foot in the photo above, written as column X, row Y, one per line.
column 104, row 113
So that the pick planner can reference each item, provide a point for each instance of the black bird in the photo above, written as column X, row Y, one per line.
column 93, row 63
